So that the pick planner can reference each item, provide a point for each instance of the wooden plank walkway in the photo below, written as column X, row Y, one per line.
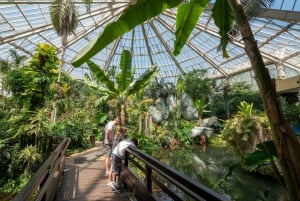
column 84, row 178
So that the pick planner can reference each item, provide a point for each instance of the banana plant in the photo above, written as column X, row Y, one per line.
column 124, row 85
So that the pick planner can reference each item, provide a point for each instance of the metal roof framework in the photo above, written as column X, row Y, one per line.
column 24, row 23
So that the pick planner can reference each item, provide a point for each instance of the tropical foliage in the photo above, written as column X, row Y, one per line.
column 246, row 129
column 25, row 115
column 124, row 85
column 196, row 84
column 36, row 78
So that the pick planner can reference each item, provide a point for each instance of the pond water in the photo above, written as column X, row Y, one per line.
column 210, row 168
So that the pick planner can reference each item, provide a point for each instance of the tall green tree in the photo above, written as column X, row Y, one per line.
column 224, row 13
column 124, row 85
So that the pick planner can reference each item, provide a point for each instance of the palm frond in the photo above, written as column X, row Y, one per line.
column 252, row 8
column 64, row 17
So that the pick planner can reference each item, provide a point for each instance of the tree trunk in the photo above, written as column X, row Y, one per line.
column 287, row 145
column 123, row 114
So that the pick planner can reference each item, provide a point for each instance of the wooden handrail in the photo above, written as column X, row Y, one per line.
column 154, row 169
column 43, row 185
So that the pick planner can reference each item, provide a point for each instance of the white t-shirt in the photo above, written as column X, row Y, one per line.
column 111, row 127
column 119, row 150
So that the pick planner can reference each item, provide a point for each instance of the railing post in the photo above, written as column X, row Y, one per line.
column 148, row 180
column 126, row 159
column 50, row 138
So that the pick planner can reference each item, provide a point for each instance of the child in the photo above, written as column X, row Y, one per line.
column 121, row 135
column 118, row 155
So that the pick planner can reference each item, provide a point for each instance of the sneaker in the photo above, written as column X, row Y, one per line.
column 110, row 184
column 116, row 187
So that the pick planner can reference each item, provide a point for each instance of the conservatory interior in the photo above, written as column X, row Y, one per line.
column 217, row 82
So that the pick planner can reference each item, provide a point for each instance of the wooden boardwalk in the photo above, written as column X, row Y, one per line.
column 84, row 178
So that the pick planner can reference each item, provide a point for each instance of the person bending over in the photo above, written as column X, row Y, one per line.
column 118, row 155
column 120, row 135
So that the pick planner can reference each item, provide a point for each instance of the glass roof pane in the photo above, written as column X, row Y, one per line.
column 24, row 24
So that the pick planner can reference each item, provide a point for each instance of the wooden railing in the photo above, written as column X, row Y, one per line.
column 163, row 177
column 44, row 183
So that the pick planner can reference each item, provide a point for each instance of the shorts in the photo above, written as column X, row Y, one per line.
column 116, row 164
column 108, row 150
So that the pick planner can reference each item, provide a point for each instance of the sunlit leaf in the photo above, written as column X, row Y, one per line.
column 187, row 17
column 99, row 73
column 223, row 17
column 125, row 77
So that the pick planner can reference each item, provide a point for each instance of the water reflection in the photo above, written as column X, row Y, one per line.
column 215, row 168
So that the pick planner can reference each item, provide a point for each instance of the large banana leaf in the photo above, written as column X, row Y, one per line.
column 223, row 17
column 134, row 15
column 125, row 77
column 187, row 17
column 143, row 80
column 99, row 73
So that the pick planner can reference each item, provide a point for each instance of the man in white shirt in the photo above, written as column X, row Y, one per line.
column 118, row 155
column 108, row 140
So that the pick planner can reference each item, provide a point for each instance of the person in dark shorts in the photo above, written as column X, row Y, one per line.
column 118, row 155
column 120, row 135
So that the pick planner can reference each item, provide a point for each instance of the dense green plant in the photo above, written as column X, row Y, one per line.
column 39, row 124
column 13, row 186
column 18, row 167
column 292, row 112
column 25, row 116
column 197, row 85
column 30, row 85
column 7, row 65
column 224, row 101
column 31, row 158
column 239, row 130
column 241, row 91
column 145, row 143
column 184, row 136
column 74, row 127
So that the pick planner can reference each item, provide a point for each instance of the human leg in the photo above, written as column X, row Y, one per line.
column 108, row 151
column 116, row 166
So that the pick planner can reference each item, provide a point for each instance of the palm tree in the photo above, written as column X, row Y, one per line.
column 124, row 84
column 224, row 14
column 64, row 20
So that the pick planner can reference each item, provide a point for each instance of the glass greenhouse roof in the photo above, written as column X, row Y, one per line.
column 24, row 23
